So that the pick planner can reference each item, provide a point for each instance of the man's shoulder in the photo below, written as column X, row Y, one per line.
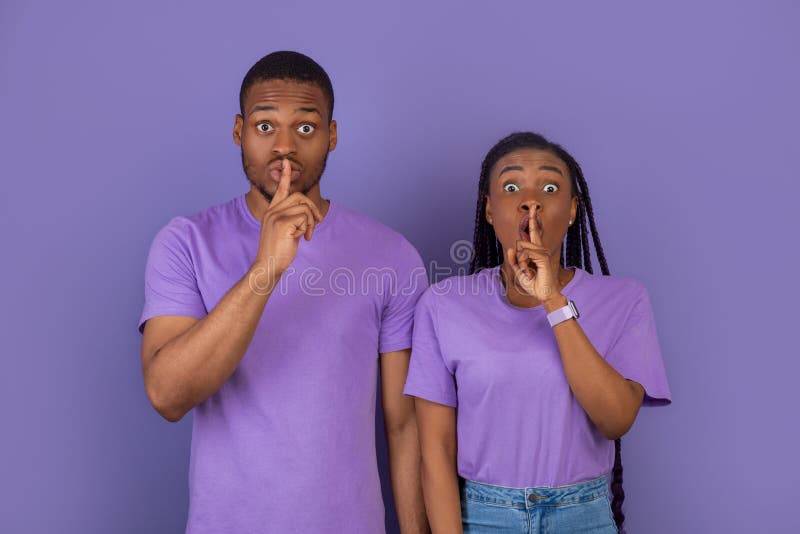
column 363, row 222
column 202, row 222
column 370, row 232
column 222, row 213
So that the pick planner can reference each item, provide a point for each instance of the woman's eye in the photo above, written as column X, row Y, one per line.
column 550, row 188
column 264, row 127
column 306, row 129
column 510, row 188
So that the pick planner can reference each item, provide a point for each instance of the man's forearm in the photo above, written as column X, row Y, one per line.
column 194, row 365
column 404, row 466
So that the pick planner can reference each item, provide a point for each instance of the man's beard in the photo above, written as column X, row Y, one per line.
column 267, row 195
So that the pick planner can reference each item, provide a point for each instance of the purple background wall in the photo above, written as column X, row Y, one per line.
column 114, row 119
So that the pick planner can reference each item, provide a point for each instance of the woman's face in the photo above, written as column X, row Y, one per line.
column 526, row 182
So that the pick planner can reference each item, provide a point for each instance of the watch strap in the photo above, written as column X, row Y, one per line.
column 570, row 311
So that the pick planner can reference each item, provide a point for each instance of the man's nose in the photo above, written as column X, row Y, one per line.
column 284, row 143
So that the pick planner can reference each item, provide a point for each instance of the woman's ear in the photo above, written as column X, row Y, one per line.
column 573, row 210
column 489, row 210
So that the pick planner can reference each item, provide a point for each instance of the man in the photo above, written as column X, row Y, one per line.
column 266, row 316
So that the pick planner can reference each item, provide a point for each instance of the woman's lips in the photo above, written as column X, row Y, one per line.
column 524, row 234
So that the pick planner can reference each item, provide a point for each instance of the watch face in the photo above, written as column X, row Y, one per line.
column 573, row 308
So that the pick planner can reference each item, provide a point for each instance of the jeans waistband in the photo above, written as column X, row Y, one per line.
column 538, row 496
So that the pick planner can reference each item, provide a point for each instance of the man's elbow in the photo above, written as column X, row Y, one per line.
column 166, row 407
column 399, row 428
column 173, row 416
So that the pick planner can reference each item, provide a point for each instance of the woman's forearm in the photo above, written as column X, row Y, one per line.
column 440, row 490
column 610, row 401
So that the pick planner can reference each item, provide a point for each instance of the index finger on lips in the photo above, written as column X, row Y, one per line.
column 283, row 185
column 533, row 228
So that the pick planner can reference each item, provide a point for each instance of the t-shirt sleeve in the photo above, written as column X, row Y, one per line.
column 636, row 354
column 429, row 377
column 397, row 318
column 170, row 284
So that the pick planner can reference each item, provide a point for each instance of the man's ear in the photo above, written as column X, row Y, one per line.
column 333, row 136
column 238, row 124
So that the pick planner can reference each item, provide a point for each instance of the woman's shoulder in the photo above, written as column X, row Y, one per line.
column 461, row 288
column 611, row 281
column 609, row 288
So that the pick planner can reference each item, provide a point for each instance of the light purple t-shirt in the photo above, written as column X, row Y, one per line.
column 288, row 443
column 518, row 423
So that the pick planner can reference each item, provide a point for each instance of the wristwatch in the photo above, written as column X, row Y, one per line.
column 570, row 311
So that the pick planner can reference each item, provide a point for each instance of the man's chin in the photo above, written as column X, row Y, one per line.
column 292, row 188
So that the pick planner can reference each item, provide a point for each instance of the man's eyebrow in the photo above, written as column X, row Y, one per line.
column 262, row 108
column 309, row 110
column 510, row 168
column 273, row 108
column 550, row 168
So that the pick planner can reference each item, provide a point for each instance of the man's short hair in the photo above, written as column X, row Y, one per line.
column 288, row 65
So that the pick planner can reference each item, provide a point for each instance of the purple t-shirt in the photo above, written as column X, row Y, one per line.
column 288, row 443
column 519, row 425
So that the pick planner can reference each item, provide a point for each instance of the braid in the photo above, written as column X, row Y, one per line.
column 617, row 491
column 587, row 257
column 601, row 256
column 576, row 252
column 574, row 243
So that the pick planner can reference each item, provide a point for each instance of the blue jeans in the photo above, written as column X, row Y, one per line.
column 582, row 507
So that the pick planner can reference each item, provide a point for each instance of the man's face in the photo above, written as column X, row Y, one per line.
column 284, row 119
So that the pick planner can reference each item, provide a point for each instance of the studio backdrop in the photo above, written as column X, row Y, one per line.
column 118, row 116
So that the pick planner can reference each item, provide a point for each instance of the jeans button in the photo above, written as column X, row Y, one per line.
column 533, row 497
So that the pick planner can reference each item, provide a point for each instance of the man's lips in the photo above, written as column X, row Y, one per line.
column 275, row 170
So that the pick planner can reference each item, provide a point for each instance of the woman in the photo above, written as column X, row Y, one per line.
column 531, row 368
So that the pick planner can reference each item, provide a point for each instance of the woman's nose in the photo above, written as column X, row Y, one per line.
column 530, row 206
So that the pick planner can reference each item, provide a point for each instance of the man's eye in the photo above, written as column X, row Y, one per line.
column 550, row 188
column 306, row 129
column 264, row 127
column 510, row 188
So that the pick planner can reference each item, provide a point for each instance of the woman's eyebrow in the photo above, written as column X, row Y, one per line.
column 541, row 168
column 510, row 168
column 550, row 168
